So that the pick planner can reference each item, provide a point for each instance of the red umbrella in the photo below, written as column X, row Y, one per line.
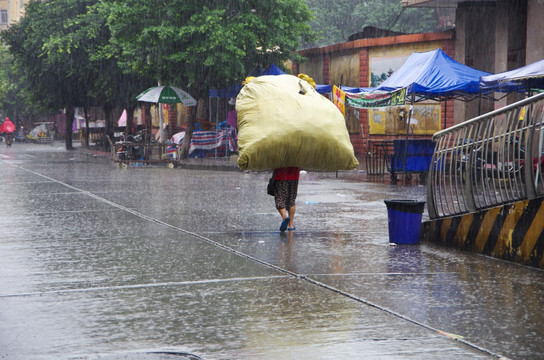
column 7, row 126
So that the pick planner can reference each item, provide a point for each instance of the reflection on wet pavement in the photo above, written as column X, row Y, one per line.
column 101, row 262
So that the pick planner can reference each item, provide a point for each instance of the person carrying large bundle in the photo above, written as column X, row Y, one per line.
column 283, row 121
column 285, row 124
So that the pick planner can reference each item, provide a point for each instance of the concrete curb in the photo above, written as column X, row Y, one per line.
column 219, row 164
column 212, row 164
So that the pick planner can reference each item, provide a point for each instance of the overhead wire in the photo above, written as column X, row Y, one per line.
column 396, row 19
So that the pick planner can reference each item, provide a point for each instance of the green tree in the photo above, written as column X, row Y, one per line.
column 389, row 14
column 58, row 46
column 13, row 102
column 56, row 75
column 335, row 21
column 199, row 45
column 110, row 85
column 332, row 21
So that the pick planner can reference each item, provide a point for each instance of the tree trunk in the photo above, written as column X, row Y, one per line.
column 148, row 135
column 130, row 119
column 86, row 125
column 109, row 117
column 69, row 121
column 184, row 151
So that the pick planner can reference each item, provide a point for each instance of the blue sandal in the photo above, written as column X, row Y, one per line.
column 291, row 229
column 284, row 224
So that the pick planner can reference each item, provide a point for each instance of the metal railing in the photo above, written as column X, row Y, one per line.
column 493, row 159
column 378, row 159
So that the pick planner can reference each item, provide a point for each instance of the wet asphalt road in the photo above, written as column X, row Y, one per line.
column 98, row 262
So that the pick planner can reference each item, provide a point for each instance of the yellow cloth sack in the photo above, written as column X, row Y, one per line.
column 283, row 121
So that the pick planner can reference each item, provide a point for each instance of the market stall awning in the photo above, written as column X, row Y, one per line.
column 356, row 90
column 323, row 89
column 273, row 69
column 366, row 98
column 434, row 75
column 518, row 80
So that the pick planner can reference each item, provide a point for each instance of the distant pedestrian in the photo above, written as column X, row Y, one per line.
column 285, row 194
column 232, row 118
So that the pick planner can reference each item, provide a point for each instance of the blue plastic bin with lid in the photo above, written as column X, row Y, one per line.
column 404, row 219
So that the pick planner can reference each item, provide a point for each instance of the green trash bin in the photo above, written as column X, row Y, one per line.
column 404, row 219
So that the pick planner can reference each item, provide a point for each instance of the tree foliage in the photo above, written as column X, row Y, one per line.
column 13, row 97
column 335, row 21
column 47, row 48
column 204, row 44
column 56, row 47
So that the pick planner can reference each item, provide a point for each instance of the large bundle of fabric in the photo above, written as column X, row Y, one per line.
column 283, row 121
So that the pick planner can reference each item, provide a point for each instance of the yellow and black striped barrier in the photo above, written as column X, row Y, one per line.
column 512, row 232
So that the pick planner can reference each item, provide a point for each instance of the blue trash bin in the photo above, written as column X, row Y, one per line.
column 404, row 219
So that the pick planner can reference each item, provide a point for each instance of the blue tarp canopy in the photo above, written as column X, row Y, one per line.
column 356, row 90
column 233, row 91
column 522, row 79
column 323, row 89
column 273, row 69
column 434, row 75
column 270, row 70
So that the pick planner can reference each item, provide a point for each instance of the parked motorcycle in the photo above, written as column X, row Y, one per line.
column 474, row 157
column 487, row 164
column 9, row 139
column 131, row 147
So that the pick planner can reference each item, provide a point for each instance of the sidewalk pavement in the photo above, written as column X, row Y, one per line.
column 209, row 163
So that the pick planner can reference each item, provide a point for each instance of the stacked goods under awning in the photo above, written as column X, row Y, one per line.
column 529, row 78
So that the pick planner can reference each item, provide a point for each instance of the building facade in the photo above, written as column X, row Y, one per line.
column 11, row 11
column 493, row 36
column 489, row 35
column 367, row 62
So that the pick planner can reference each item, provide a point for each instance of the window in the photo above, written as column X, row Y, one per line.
column 3, row 16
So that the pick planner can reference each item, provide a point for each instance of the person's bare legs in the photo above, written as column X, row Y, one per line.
column 283, row 213
column 292, row 216
column 285, row 219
